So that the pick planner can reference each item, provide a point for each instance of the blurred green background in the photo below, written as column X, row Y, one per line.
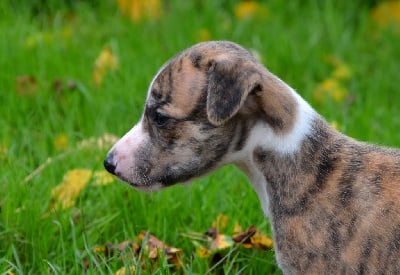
column 74, row 76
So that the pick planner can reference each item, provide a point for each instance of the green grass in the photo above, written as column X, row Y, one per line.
column 293, row 40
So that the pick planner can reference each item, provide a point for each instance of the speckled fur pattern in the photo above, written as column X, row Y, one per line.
column 333, row 202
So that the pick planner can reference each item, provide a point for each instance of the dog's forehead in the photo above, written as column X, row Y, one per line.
column 181, row 84
column 178, row 86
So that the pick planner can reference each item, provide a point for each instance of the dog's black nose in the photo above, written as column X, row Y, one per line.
column 109, row 163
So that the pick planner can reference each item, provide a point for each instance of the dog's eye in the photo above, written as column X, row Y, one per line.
column 160, row 119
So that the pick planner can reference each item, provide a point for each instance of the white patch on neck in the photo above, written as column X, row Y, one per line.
column 289, row 143
column 262, row 135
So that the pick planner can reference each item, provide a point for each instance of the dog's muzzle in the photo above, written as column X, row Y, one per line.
column 110, row 164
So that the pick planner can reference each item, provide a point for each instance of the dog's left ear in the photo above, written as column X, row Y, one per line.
column 229, row 84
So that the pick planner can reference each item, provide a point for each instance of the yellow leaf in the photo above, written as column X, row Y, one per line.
column 123, row 270
column 248, row 9
column 105, row 62
column 339, row 94
column 342, row 72
column 102, row 178
column 203, row 252
column 253, row 237
column 221, row 242
column 329, row 88
column 259, row 240
column 221, row 222
column 99, row 249
column 387, row 13
column 74, row 182
column 61, row 142
column 152, row 246
column 237, row 228
column 341, row 69
column 138, row 9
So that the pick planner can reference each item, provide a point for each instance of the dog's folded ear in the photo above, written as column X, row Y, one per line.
column 229, row 84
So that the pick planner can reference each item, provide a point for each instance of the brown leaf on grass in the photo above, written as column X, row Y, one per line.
column 242, row 237
column 214, row 243
column 253, row 238
column 152, row 246
column 26, row 85
column 148, row 247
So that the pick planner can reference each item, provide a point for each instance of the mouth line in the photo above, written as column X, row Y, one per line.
column 146, row 184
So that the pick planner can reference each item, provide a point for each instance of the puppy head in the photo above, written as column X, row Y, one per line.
column 191, row 118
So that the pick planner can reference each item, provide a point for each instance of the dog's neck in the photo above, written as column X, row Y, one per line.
column 273, row 160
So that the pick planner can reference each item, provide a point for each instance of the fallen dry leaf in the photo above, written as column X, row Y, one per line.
column 386, row 14
column 220, row 222
column 105, row 62
column 260, row 240
column 242, row 237
column 253, row 238
column 237, row 228
column 138, row 9
column 250, row 9
column 213, row 243
column 221, row 242
column 152, row 246
column 26, row 85
column 123, row 270
column 148, row 247
column 65, row 194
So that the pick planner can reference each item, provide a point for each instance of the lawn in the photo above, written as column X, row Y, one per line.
column 74, row 76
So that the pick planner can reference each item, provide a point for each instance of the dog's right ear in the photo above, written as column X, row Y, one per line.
column 229, row 84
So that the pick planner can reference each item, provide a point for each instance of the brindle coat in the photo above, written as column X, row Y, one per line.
column 333, row 202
